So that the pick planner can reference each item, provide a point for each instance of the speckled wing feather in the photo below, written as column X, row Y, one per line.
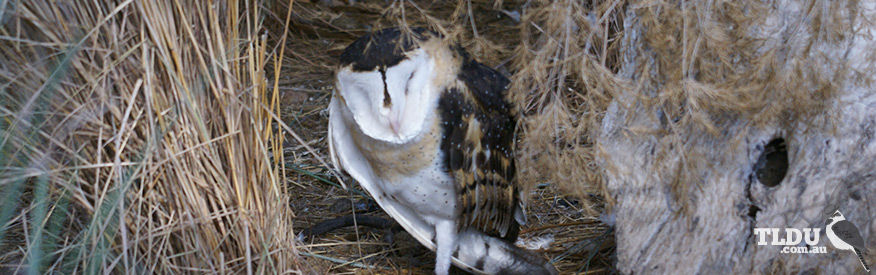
column 478, row 144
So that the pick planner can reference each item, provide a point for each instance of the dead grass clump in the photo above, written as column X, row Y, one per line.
column 139, row 137
column 565, row 79
column 722, row 61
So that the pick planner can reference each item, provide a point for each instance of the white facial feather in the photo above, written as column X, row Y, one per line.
column 411, row 95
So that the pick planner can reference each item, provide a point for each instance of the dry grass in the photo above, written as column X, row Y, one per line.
column 565, row 80
column 139, row 137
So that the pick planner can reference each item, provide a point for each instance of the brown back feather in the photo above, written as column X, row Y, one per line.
column 477, row 118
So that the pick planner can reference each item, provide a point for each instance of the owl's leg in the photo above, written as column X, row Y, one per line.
column 445, row 243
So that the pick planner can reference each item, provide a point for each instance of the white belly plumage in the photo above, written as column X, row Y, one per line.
column 430, row 192
column 415, row 201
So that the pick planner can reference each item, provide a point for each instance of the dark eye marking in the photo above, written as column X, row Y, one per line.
column 387, row 101
column 408, row 83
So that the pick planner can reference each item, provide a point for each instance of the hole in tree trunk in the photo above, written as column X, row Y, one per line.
column 772, row 165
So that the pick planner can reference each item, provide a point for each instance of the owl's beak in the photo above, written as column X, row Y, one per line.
column 395, row 125
column 395, row 119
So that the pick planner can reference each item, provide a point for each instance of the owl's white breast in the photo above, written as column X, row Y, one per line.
column 430, row 191
column 407, row 180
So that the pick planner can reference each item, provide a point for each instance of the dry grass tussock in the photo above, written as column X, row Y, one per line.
column 140, row 136
column 566, row 64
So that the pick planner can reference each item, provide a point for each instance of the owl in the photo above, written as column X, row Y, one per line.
column 429, row 133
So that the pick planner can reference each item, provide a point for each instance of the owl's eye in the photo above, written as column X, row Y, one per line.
column 408, row 85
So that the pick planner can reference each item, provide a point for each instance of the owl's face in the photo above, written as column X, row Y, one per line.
column 390, row 103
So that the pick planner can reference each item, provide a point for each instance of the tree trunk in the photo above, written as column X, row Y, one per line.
column 687, row 198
